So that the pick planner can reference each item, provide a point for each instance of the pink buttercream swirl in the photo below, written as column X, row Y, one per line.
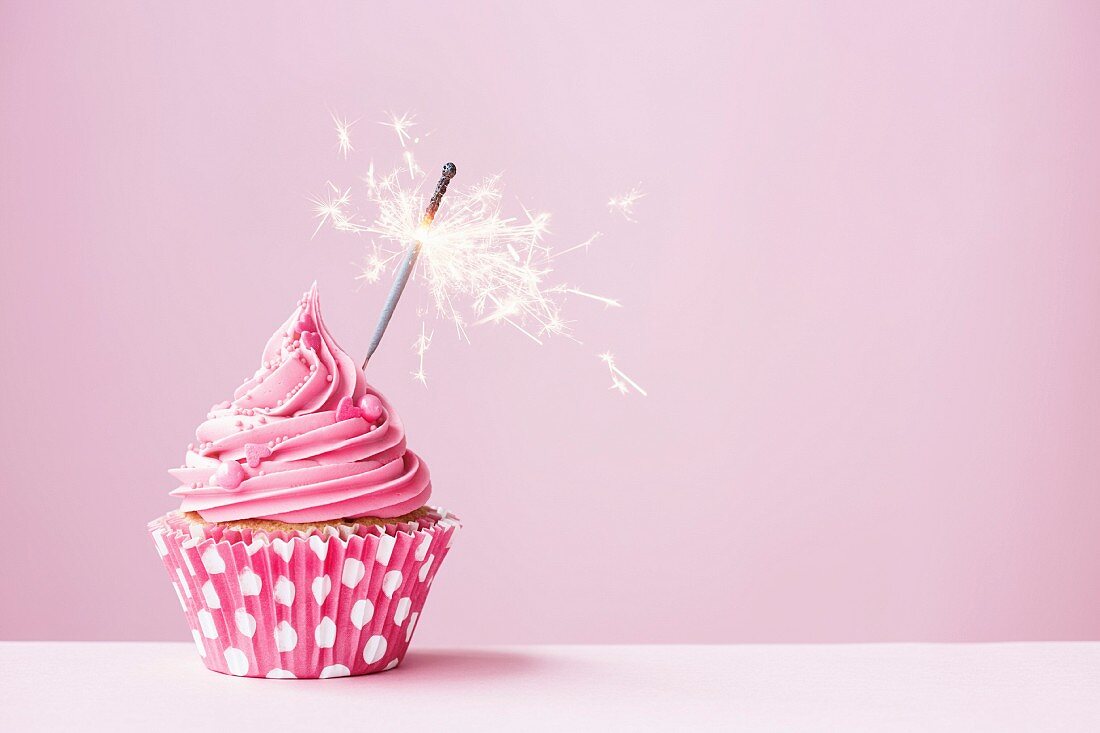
column 305, row 439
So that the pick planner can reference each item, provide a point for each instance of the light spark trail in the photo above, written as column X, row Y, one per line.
column 591, row 296
column 619, row 380
column 421, row 346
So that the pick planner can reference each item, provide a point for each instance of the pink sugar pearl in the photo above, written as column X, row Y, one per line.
column 371, row 407
column 229, row 475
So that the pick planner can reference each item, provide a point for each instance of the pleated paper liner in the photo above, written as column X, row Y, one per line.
column 295, row 605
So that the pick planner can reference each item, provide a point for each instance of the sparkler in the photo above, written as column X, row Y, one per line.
column 405, row 272
column 478, row 264
column 475, row 259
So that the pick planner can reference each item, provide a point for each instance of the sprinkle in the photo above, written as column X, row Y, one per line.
column 371, row 407
column 256, row 452
column 311, row 340
column 346, row 410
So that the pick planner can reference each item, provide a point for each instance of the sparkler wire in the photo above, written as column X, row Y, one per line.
column 407, row 264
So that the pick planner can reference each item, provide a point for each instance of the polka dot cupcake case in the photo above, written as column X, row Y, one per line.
column 291, row 605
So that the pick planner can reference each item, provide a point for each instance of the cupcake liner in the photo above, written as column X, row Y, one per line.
column 340, row 602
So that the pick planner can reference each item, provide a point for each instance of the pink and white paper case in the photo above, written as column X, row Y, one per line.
column 341, row 602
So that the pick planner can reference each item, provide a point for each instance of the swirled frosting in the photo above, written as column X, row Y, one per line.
column 304, row 439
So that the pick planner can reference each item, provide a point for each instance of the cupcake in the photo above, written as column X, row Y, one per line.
column 304, row 545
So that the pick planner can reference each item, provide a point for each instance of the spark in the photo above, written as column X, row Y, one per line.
column 624, row 205
column 331, row 209
column 343, row 138
column 374, row 264
column 401, row 126
column 411, row 167
column 421, row 346
column 619, row 380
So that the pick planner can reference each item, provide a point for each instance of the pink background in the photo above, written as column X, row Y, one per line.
column 863, row 291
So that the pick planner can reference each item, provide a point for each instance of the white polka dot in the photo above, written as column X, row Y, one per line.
column 393, row 663
column 422, row 548
column 402, row 611
column 211, row 595
column 322, row 586
column 183, row 582
column 385, row 548
column 283, row 548
column 319, row 545
column 375, row 649
column 158, row 540
column 286, row 638
column 425, row 568
column 199, row 644
column 412, row 625
column 284, row 591
column 254, row 546
column 237, row 661
column 334, row 670
column 246, row 622
column 354, row 571
column 176, row 586
column 212, row 561
column 206, row 623
column 325, row 633
column 250, row 582
column 391, row 582
column 280, row 674
column 187, row 562
column 361, row 613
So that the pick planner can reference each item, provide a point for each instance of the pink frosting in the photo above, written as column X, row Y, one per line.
column 304, row 439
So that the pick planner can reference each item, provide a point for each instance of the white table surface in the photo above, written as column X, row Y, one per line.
column 875, row 687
